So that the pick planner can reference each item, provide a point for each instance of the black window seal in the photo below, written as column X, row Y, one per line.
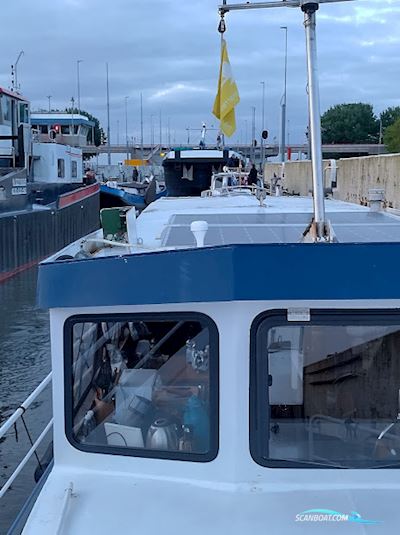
column 258, row 421
column 143, row 452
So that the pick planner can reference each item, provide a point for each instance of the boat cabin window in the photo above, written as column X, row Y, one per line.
column 326, row 393
column 74, row 169
column 23, row 113
column 143, row 385
column 6, row 109
column 61, row 168
column 65, row 129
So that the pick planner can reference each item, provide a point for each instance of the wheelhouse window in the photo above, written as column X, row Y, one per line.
column 74, row 169
column 23, row 112
column 145, row 386
column 6, row 108
column 61, row 168
column 326, row 393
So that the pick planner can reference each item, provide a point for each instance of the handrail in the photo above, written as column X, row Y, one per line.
column 360, row 427
column 24, row 406
column 25, row 460
column 19, row 413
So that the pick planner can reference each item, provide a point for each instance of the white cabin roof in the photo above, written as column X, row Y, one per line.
column 240, row 219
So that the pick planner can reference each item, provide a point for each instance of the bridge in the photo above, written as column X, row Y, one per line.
column 148, row 152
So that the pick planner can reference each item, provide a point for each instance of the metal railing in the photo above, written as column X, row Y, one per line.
column 11, row 421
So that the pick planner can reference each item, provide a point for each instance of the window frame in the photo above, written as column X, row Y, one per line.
column 143, row 452
column 74, row 169
column 60, row 168
column 259, row 369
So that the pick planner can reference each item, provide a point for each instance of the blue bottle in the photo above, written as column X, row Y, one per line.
column 196, row 417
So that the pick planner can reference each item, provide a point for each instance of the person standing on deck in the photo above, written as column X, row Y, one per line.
column 253, row 176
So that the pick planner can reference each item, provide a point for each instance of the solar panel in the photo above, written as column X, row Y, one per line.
column 225, row 229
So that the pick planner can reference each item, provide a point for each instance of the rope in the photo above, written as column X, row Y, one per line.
column 31, row 442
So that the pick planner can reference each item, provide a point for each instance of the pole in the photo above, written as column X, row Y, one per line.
column 283, row 101
column 141, row 126
column 108, row 120
column 79, row 84
column 16, row 71
column 49, row 97
column 72, row 115
column 160, row 131
column 263, row 125
column 309, row 10
column 117, row 131
column 126, row 128
column 253, row 134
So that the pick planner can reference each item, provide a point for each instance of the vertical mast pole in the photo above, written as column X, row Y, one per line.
column 284, row 101
column 309, row 9
column 141, row 127
column 108, row 120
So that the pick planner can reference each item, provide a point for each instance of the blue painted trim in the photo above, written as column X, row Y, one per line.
column 227, row 273
column 62, row 122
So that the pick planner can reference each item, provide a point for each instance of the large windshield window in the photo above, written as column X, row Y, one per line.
column 327, row 391
column 143, row 386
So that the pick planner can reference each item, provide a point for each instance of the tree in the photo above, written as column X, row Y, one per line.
column 392, row 137
column 390, row 116
column 350, row 123
column 99, row 133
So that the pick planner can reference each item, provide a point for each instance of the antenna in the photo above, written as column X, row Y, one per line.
column 309, row 8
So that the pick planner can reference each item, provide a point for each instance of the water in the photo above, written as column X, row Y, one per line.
column 24, row 363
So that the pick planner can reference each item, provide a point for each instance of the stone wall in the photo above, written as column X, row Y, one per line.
column 355, row 177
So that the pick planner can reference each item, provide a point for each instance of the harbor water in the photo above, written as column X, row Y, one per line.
column 24, row 363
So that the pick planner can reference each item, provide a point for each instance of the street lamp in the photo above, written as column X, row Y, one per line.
column 78, row 62
column 262, row 124
column 283, row 101
column 108, row 118
column 14, row 67
column 253, row 134
column 126, row 128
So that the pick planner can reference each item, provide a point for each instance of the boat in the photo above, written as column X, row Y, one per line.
column 137, row 194
column 188, row 172
column 45, row 200
column 225, row 362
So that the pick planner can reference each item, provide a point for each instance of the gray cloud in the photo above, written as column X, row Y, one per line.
column 169, row 51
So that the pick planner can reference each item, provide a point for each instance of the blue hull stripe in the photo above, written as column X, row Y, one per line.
column 227, row 273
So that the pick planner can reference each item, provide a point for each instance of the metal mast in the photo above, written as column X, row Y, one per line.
column 309, row 7
column 282, row 147
column 108, row 119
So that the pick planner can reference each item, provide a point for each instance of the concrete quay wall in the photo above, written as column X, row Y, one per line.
column 355, row 177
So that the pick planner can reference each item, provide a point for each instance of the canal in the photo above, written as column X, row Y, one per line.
column 24, row 363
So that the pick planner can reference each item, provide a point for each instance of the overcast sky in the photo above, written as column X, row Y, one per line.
column 169, row 50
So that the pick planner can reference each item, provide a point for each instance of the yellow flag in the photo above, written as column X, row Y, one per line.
column 227, row 96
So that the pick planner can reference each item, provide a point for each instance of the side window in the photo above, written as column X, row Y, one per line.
column 23, row 113
column 325, row 393
column 144, row 386
column 61, row 168
column 6, row 108
column 74, row 169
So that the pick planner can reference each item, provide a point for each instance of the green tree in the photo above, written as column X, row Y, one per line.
column 350, row 123
column 99, row 133
column 392, row 137
column 390, row 116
